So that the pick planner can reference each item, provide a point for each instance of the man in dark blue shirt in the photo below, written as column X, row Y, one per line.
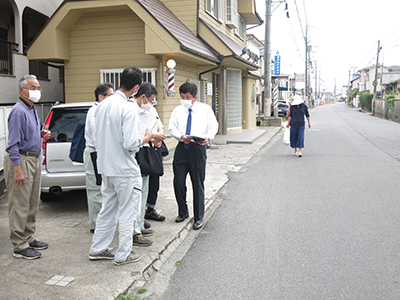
column 296, row 122
column 22, row 169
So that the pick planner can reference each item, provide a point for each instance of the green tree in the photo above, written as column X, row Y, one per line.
column 353, row 93
column 366, row 100
column 391, row 95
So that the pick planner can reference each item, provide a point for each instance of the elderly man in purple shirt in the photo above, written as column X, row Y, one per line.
column 22, row 169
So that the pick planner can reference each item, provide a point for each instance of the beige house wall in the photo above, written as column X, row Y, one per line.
column 103, row 40
column 185, row 10
column 116, row 40
column 249, row 110
column 210, row 20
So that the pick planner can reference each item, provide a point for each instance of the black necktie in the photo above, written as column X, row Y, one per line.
column 188, row 127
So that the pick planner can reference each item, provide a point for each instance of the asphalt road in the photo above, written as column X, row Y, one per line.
column 324, row 226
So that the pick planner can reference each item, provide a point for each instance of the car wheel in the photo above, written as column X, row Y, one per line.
column 46, row 197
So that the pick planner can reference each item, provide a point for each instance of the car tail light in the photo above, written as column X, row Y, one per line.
column 44, row 142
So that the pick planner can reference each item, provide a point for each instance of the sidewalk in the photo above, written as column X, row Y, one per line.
column 68, row 251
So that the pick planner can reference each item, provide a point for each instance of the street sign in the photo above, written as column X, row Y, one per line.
column 277, row 68
column 299, row 77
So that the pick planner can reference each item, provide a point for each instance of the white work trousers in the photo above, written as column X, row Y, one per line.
column 93, row 191
column 145, row 191
column 120, row 205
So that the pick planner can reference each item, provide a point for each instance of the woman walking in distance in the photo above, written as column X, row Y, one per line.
column 297, row 124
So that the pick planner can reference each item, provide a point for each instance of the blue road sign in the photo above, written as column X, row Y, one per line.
column 277, row 68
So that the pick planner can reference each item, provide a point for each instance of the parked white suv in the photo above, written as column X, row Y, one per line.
column 59, row 173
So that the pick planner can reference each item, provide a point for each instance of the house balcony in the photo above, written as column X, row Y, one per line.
column 6, row 57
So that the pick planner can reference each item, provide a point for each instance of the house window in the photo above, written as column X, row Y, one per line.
column 114, row 76
column 234, row 96
column 231, row 13
column 241, row 29
column 216, row 8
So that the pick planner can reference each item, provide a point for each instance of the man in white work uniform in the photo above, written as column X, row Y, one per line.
column 117, row 141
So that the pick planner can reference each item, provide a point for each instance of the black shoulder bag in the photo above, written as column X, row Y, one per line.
column 150, row 161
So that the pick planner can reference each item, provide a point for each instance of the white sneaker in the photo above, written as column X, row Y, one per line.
column 106, row 254
column 300, row 155
column 134, row 257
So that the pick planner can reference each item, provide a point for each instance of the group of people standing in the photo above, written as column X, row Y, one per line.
column 117, row 126
column 124, row 122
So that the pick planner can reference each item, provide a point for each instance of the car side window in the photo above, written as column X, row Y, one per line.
column 63, row 123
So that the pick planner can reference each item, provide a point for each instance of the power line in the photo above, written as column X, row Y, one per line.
column 386, row 48
column 366, row 57
column 305, row 12
column 391, row 33
column 298, row 14
column 392, row 42
column 371, row 60
column 295, row 40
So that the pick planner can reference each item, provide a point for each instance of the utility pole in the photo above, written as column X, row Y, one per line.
column 306, row 71
column 319, row 86
column 334, row 91
column 267, row 60
column 376, row 78
column 316, row 78
column 348, row 88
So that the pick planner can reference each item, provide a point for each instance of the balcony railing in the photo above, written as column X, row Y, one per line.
column 6, row 59
column 40, row 69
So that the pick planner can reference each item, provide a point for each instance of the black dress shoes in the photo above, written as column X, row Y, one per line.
column 198, row 224
column 146, row 224
column 153, row 215
column 181, row 219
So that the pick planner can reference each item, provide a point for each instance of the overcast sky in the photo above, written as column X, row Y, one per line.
column 343, row 34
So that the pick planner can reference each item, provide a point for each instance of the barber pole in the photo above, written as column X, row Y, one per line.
column 171, row 82
column 275, row 95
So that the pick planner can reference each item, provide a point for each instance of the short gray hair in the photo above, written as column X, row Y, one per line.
column 22, row 81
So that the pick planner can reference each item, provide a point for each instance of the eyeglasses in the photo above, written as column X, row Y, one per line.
column 33, row 88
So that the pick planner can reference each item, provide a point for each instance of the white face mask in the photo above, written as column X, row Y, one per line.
column 134, row 93
column 35, row 95
column 146, row 106
column 186, row 103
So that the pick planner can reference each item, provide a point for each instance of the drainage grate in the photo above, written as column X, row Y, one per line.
column 60, row 280
column 70, row 224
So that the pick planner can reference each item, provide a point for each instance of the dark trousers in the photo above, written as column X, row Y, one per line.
column 297, row 136
column 192, row 161
column 154, row 186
